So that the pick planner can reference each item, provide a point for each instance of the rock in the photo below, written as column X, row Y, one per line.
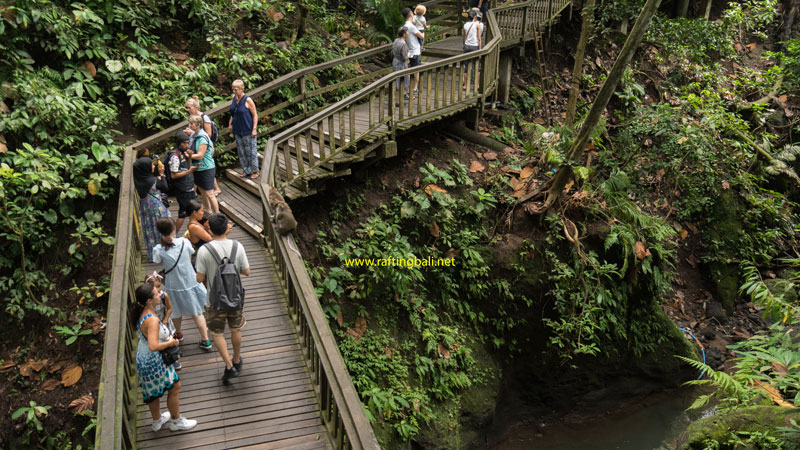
column 708, row 333
column 782, row 288
column 720, row 426
column 714, row 310
column 713, row 357
column 725, row 278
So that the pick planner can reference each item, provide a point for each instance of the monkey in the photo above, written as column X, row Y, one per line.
column 274, row 197
column 284, row 219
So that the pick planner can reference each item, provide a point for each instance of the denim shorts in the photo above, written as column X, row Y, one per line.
column 204, row 179
column 414, row 61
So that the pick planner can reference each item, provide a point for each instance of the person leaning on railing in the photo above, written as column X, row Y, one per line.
column 155, row 377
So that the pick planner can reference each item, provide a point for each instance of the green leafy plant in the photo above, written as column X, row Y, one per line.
column 72, row 333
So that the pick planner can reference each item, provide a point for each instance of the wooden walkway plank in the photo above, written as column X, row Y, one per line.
column 272, row 403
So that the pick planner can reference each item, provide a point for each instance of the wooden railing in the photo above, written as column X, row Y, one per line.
column 308, row 85
column 117, row 398
column 386, row 111
column 342, row 409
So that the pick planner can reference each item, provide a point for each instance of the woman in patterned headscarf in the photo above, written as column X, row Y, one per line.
column 150, row 206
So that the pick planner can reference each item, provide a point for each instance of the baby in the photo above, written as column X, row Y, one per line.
column 420, row 22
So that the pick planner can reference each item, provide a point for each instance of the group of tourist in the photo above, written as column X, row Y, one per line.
column 188, row 287
column 193, row 265
column 407, row 47
column 182, row 290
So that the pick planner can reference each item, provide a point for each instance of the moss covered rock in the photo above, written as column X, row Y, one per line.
column 719, row 427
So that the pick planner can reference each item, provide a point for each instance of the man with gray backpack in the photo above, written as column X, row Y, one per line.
column 219, row 265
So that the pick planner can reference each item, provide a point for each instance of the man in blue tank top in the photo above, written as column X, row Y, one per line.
column 243, row 124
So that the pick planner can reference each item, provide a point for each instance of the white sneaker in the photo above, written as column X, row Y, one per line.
column 157, row 424
column 182, row 424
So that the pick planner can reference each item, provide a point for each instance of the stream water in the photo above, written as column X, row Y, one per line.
column 652, row 422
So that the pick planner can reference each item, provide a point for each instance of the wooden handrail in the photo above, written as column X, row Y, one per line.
column 341, row 407
column 272, row 86
column 319, row 343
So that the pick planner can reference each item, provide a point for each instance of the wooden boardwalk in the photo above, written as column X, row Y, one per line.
column 272, row 404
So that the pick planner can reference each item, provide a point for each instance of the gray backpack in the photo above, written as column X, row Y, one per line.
column 226, row 291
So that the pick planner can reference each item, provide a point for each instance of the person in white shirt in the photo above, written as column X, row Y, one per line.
column 414, row 48
column 472, row 38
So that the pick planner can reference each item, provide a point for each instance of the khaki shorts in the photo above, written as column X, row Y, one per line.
column 216, row 319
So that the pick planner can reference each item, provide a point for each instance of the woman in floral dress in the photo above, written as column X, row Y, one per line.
column 150, row 206
column 156, row 378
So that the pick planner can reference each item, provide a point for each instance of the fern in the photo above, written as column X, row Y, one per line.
column 755, row 288
column 781, row 163
column 729, row 390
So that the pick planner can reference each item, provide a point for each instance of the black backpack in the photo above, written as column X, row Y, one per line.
column 226, row 292
column 214, row 131
column 167, row 172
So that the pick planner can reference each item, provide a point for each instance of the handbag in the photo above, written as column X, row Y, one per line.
column 171, row 355
column 164, row 273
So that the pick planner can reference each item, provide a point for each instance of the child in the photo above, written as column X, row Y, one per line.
column 164, row 310
column 420, row 22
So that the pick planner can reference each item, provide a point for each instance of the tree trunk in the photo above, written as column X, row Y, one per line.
column 683, row 8
column 577, row 71
column 300, row 29
column 708, row 9
column 606, row 91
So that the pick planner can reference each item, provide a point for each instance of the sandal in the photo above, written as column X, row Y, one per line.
column 244, row 175
column 254, row 176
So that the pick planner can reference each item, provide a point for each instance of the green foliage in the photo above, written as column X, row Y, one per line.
column 72, row 333
column 605, row 299
column 32, row 414
column 431, row 310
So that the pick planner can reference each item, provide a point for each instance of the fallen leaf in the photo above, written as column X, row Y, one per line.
column 7, row 366
column 692, row 227
column 55, row 367
column 434, row 229
column 351, row 43
column 526, row 172
column 783, row 98
column 361, row 324
column 362, row 41
column 742, row 333
column 388, row 352
column 508, row 151
column 339, row 318
column 568, row 186
column 50, row 384
column 490, row 156
column 416, row 182
column 432, row 187
column 682, row 140
column 780, row 368
column 641, row 252
column 725, row 185
column 475, row 166
column 649, row 143
column 773, row 393
column 345, row 34
column 90, row 68
column 3, row 147
column 580, row 195
column 443, row 351
column 274, row 14
column 751, row 46
column 452, row 253
column 82, row 403
column 738, row 48
column 692, row 260
column 533, row 207
column 684, row 233
column 771, row 274
column 71, row 375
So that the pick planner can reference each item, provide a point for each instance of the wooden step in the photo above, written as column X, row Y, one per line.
column 339, row 158
column 245, row 183
column 241, row 206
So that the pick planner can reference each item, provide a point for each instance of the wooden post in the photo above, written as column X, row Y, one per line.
column 708, row 9
column 504, row 77
column 302, row 84
column 392, row 126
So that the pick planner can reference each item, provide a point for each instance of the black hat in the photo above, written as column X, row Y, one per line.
column 181, row 137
